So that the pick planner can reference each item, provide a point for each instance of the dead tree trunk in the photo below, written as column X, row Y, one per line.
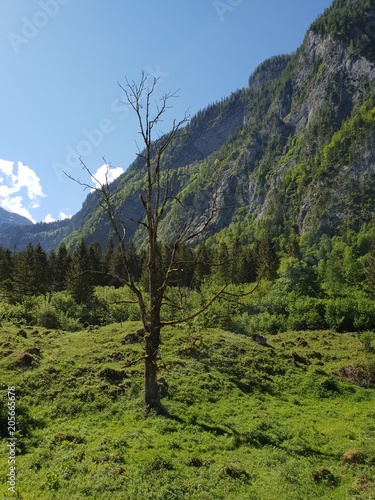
column 154, row 200
column 152, row 337
column 151, row 387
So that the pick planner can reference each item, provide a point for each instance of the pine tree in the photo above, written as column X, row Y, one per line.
column 24, row 274
column 370, row 270
column 6, row 264
column 40, row 270
column 267, row 259
column 221, row 265
column 202, row 267
column 6, row 274
column 80, row 283
column 97, row 265
column 58, row 267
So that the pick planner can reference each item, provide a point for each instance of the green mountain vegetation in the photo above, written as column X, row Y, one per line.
column 270, row 390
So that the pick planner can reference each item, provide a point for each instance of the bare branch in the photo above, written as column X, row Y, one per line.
column 124, row 302
column 134, row 362
column 197, row 313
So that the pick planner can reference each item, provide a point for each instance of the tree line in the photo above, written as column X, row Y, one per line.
column 33, row 272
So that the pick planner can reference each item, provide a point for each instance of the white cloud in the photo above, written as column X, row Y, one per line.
column 48, row 218
column 20, row 190
column 106, row 173
column 63, row 216
column 15, row 205
column 6, row 167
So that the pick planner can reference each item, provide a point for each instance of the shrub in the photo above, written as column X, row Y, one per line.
column 64, row 303
column 350, row 313
column 48, row 317
column 240, row 324
column 364, row 314
column 69, row 324
column 12, row 313
column 134, row 313
column 52, row 481
column 306, row 313
column 340, row 314
column 366, row 339
column 266, row 323
column 118, row 312
column 31, row 306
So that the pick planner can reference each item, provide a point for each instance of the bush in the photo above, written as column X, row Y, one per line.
column 48, row 317
column 355, row 313
column 240, row 324
column 64, row 303
column 266, row 323
column 306, row 313
column 366, row 339
column 364, row 315
column 69, row 324
column 134, row 312
column 119, row 312
column 340, row 314
column 25, row 313
column 115, row 305
column 12, row 312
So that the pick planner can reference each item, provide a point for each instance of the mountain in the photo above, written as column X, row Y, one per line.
column 293, row 151
column 10, row 219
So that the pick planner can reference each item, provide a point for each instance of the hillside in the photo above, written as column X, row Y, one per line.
column 10, row 219
column 291, row 419
column 295, row 148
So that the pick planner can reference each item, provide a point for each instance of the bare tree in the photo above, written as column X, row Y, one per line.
column 154, row 200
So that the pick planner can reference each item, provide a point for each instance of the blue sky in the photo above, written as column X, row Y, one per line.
column 61, row 61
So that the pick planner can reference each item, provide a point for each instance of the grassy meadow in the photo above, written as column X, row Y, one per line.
column 294, row 419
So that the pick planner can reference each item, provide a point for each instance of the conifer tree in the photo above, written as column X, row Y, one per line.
column 24, row 274
column 40, row 270
column 370, row 270
column 80, row 281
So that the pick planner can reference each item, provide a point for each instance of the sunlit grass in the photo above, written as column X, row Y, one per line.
column 247, row 422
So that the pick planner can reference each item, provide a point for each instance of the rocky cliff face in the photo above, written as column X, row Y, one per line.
column 325, row 86
column 334, row 84
column 328, row 73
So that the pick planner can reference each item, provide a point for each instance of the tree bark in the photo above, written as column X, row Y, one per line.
column 151, row 387
column 152, row 337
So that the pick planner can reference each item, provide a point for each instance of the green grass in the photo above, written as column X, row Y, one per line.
column 249, row 422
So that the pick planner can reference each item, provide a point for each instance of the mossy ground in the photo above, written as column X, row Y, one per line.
column 282, row 421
